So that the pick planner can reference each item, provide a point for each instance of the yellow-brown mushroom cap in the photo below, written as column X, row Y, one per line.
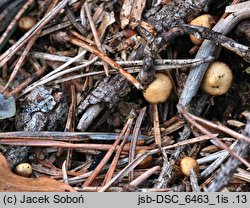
column 187, row 163
column 24, row 169
column 26, row 23
column 205, row 20
column 159, row 90
column 218, row 79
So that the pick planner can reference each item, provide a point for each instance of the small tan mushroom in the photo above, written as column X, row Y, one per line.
column 218, row 79
column 24, row 169
column 159, row 90
column 146, row 162
column 205, row 20
column 187, row 163
column 26, row 23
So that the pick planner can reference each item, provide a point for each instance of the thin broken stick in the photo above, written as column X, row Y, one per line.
column 136, row 131
column 174, row 63
column 219, row 127
column 46, row 79
column 108, row 60
column 157, row 131
column 106, row 158
column 228, row 43
column 117, row 155
column 27, row 36
column 97, row 39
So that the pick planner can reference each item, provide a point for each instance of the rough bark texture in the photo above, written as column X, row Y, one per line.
column 173, row 13
column 37, row 112
column 176, row 12
column 108, row 92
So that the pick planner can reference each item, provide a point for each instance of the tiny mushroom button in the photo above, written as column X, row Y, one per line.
column 159, row 90
column 218, row 79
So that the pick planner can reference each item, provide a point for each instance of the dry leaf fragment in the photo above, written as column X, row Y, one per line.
column 108, row 19
column 10, row 182
column 236, row 123
column 246, row 114
column 131, row 12
column 125, row 13
column 136, row 12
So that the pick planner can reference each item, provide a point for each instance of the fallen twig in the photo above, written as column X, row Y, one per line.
column 213, row 166
column 104, row 57
column 106, row 158
column 94, row 32
column 157, row 131
column 194, row 181
column 117, row 155
column 134, row 139
column 144, row 176
column 32, row 40
column 228, row 43
column 13, row 22
column 46, row 143
column 219, row 127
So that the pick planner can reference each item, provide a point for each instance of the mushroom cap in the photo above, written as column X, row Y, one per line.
column 24, row 169
column 205, row 20
column 187, row 163
column 218, row 79
column 159, row 90
column 26, row 23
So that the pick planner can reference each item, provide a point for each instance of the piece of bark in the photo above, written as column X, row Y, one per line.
column 7, row 107
column 39, row 111
column 16, row 155
column 107, row 93
column 175, row 12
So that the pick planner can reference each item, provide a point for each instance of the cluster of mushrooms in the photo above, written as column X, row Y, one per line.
column 217, row 81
